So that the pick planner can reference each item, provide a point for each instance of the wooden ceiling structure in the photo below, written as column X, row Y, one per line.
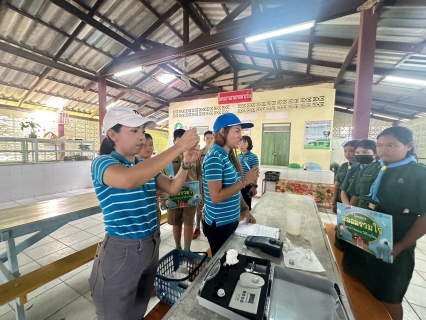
column 56, row 48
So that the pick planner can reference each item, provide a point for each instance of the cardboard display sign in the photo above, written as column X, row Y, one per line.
column 369, row 230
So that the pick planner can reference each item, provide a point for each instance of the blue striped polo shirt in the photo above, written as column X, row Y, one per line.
column 127, row 213
column 218, row 167
column 248, row 161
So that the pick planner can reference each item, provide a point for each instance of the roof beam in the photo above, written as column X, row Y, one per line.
column 384, row 102
column 380, row 45
column 349, row 57
column 35, row 86
column 217, row 75
column 162, row 19
column 47, row 62
column 61, row 50
column 95, row 24
column 32, row 56
column 378, row 110
column 268, row 69
column 174, row 69
column 145, row 96
column 329, row 64
column 236, row 1
column 209, row 93
column 237, row 31
column 235, row 13
column 260, row 80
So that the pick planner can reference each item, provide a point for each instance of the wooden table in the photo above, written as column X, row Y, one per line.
column 43, row 218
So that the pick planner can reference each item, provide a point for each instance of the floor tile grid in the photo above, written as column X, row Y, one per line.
column 413, row 310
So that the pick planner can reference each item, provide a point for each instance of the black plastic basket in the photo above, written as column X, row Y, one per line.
column 272, row 176
column 169, row 290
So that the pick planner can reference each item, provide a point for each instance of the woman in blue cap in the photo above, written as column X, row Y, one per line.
column 223, row 181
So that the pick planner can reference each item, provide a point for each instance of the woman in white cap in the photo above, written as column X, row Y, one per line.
column 126, row 261
column 223, row 181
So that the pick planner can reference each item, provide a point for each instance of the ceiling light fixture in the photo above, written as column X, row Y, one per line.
column 406, row 80
column 167, row 78
column 56, row 103
column 383, row 116
column 339, row 107
column 129, row 71
column 279, row 32
column 161, row 121
column 111, row 105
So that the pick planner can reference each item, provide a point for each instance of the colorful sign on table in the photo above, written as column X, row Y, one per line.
column 322, row 193
column 235, row 96
column 317, row 134
column 369, row 230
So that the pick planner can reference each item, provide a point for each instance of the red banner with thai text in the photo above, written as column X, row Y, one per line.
column 235, row 96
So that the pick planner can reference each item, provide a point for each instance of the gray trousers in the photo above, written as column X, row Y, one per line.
column 123, row 276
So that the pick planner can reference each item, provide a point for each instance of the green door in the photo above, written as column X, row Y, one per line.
column 275, row 148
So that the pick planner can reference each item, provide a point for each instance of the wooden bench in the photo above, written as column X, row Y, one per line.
column 21, row 286
column 363, row 304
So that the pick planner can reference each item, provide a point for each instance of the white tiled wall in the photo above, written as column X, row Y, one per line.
column 32, row 180
column 324, row 176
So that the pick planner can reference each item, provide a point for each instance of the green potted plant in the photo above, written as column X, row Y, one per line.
column 32, row 127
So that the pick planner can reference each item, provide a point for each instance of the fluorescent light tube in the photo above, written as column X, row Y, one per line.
column 406, row 80
column 339, row 107
column 56, row 103
column 166, row 78
column 383, row 116
column 279, row 32
column 161, row 121
column 129, row 71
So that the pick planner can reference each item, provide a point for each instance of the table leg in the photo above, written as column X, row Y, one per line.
column 13, row 272
column 12, row 256
column 32, row 240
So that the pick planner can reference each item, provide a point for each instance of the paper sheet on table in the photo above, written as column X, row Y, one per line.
column 252, row 229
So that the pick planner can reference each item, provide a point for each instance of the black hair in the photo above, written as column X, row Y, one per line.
column 351, row 143
column 366, row 144
column 148, row 136
column 207, row 132
column 178, row 133
column 117, row 129
column 402, row 134
column 106, row 147
column 248, row 140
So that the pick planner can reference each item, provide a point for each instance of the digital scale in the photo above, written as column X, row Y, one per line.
column 247, row 292
column 251, row 290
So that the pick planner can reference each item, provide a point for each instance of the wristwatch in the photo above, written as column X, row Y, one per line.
column 182, row 165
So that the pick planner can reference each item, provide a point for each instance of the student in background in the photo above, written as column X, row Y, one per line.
column 395, row 185
column 208, row 139
column 126, row 261
column 248, row 160
column 148, row 148
column 365, row 153
column 177, row 217
column 349, row 152
column 223, row 181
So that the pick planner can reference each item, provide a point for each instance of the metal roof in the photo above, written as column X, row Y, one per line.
column 84, row 42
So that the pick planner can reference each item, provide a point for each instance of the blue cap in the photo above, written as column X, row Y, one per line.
column 229, row 120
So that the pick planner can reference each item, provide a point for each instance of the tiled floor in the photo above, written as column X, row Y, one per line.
column 69, row 298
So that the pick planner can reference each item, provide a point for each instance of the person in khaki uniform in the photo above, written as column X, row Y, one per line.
column 208, row 139
column 395, row 185
column 186, row 215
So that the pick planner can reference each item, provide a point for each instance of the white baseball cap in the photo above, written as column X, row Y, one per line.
column 126, row 117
